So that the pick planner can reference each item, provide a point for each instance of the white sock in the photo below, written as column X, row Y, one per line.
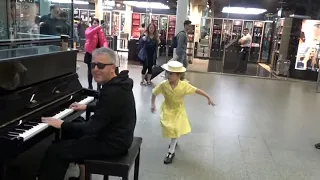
column 73, row 171
column 173, row 145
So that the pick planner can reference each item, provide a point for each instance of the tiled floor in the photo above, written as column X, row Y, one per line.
column 260, row 130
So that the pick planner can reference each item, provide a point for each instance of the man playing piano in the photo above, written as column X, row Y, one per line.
column 109, row 132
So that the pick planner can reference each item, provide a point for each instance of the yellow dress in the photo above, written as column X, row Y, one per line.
column 173, row 116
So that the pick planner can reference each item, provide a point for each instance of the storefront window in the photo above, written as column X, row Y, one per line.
column 35, row 19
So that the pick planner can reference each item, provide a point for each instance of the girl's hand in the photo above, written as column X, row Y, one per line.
column 210, row 103
column 153, row 108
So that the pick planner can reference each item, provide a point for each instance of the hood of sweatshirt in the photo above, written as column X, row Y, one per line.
column 123, row 80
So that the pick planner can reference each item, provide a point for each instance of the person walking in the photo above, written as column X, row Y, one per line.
column 150, row 43
column 95, row 38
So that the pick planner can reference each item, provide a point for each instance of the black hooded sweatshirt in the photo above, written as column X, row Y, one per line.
column 114, row 118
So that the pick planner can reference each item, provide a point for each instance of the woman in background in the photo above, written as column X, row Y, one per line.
column 95, row 38
column 150, row 42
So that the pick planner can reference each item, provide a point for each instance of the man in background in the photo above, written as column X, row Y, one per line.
column 54, row 14
column 245, row 43
column 182, row 39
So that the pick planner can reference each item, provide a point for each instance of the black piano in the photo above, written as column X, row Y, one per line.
column 36, row 82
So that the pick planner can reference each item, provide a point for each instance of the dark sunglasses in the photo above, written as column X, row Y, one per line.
column 99, row 65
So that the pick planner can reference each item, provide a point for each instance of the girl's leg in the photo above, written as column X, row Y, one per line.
column 170, row 155
column 173, row 145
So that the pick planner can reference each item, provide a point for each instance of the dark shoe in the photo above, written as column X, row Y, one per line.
column 73, row 178
column 317, row 146
column 168, row 159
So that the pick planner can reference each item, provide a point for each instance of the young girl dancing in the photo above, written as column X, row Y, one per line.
column 174, row 120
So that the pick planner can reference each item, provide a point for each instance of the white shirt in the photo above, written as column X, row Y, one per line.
column 246, row 40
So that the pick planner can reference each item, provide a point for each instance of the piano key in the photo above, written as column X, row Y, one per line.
column 15, row 133
column 19, row 131
column 37, row 128
column 12, row 135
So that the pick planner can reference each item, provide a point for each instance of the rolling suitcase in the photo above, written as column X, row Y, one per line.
column 156, row 70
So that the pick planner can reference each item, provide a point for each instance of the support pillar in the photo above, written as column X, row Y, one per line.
column 99, row 9
column 182, row 14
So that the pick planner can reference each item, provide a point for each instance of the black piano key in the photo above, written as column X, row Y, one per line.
column 18, row 131
column 32, row 122
column 15, row 133
column 12, row 135
column 27, row 126
column 7, row 137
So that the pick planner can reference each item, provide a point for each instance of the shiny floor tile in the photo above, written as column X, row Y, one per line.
column 260, row 130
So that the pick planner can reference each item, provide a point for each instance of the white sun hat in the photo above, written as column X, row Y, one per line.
column 174, row 66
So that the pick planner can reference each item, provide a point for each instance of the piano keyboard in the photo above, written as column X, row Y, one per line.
column 38, row 127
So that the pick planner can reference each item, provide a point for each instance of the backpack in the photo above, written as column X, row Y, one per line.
column 174, row 43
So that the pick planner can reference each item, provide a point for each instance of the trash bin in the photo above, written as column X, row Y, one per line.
column 283, row 67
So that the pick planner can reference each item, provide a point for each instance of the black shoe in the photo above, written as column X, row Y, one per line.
column 168, row 159
column 317, row 146
column 73, row 178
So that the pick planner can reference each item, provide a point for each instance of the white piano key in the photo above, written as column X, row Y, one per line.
column 42, row 126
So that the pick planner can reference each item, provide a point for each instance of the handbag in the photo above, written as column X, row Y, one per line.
column 142, row 53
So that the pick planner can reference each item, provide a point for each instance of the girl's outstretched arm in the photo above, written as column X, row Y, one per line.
column 202, row 93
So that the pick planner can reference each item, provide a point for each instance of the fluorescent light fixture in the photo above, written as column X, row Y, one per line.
column 69, row 1
column 299, row 16
column 242, row 10
column 152, row 5
column 110, row 3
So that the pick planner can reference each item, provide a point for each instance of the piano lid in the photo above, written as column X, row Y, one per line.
column 24, row 67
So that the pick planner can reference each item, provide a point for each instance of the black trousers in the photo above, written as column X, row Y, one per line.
column 242, row 65
column 147, row 68
column 74, row 147
column 148, row 63
column 88, row 60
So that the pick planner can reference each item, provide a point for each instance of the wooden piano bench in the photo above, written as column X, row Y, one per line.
column 119, row 167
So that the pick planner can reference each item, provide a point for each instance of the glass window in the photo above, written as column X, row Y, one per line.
column 35, row 19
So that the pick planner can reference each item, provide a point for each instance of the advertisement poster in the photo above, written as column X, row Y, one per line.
column 308, row 51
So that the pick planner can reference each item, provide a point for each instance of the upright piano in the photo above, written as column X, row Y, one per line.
column 36, row 82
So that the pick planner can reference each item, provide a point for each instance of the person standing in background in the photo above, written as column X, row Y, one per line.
column 182, row 38
column 94, row 39
column 245, row 43
column 150, row 43
column 142, row 30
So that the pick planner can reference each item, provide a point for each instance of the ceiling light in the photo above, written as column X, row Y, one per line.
column 109, row 3
column 152, row 5
column 69, row 2
column 242, row 10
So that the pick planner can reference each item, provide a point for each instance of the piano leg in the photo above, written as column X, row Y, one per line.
column 2, row 171
column 88, row 113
